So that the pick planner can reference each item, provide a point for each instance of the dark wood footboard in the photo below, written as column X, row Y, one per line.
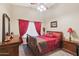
column 32, row 43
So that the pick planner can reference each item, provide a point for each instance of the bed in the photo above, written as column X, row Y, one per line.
column 45, row 43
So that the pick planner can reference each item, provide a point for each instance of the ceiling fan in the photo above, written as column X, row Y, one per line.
column 40, row 6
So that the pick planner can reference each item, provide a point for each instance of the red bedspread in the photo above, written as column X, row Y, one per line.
column 48, row 43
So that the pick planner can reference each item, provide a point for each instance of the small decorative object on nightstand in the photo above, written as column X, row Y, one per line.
column 70, row 32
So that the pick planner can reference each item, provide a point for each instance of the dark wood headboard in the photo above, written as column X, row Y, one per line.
column 61, row 37
column 56, row 32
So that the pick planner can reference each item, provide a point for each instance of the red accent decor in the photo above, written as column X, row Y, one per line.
column 70, row 30
column 23, row 26
column 38, row 27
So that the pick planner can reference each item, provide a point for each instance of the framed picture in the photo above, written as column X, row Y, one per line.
column 53, row 24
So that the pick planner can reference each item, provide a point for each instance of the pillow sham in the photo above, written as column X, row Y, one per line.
column 49, row 35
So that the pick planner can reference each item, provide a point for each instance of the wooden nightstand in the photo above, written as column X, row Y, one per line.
column 70, row 47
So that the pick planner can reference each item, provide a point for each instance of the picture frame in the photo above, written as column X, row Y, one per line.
column 53, row 24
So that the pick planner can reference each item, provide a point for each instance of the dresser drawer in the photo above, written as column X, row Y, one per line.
column 4, row 52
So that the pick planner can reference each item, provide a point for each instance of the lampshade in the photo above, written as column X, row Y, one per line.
column 70, row 30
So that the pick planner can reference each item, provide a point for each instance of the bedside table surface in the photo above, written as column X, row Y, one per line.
column 73, row 41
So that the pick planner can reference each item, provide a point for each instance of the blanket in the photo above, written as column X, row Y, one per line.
column 45, row 43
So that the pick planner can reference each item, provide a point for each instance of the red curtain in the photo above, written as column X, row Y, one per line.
column 23, row 26
column 38, row 27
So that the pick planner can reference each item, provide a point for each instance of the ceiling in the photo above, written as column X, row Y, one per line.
column 35, row 5
column 53, row 9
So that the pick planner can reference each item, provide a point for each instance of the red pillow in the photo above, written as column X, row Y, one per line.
column 49, row 35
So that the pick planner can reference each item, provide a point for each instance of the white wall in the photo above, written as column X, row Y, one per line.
column 22, row 12
column 16, row 12
column 4, row 8
column 67, row 15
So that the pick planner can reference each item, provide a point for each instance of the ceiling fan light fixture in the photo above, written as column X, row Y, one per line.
column 41, row 8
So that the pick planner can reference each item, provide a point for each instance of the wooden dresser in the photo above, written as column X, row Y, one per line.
column 10, row 48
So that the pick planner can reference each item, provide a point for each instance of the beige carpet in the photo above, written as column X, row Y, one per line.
column 21, row 51
column 57, row 53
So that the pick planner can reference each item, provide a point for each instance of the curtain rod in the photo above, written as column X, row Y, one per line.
column 31, row 21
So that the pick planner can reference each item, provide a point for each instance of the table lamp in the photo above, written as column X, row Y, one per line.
column 70, row 32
